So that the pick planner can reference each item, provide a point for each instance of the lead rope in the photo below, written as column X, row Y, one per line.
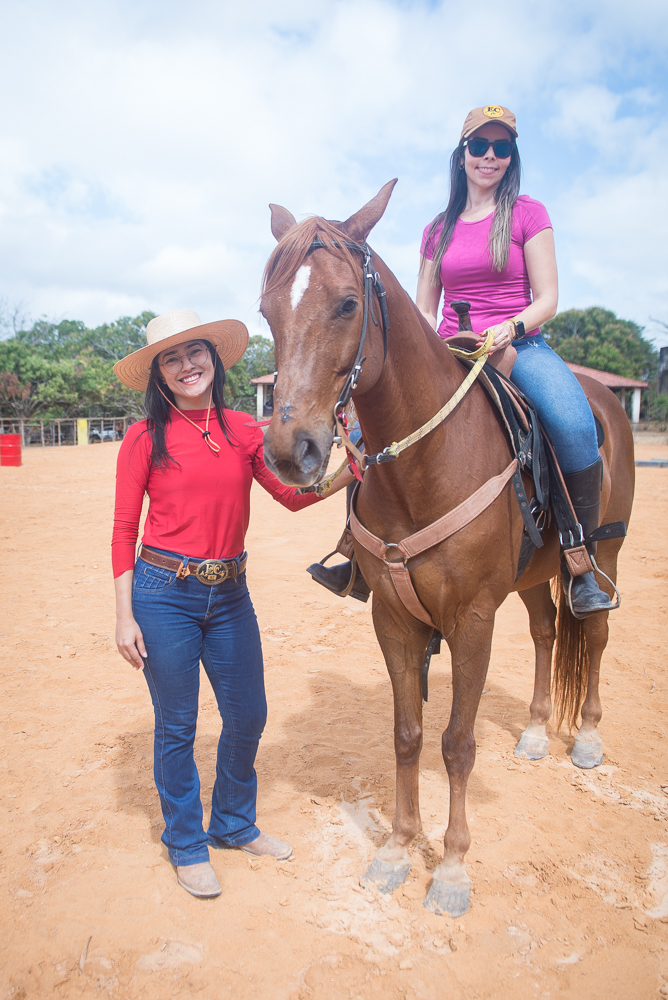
column 206, row 434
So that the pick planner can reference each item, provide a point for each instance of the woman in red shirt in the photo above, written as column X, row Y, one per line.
column 185, row 598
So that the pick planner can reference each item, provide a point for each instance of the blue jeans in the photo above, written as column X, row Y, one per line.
column 562, row 407
column 183, row 622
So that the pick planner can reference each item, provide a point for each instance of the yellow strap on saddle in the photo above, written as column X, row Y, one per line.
column 459, row 352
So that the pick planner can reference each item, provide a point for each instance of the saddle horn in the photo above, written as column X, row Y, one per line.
column 462, row 309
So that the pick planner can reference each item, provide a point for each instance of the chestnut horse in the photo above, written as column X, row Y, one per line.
column 313, row 301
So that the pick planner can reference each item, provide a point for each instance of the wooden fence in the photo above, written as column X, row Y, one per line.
column 67, row 431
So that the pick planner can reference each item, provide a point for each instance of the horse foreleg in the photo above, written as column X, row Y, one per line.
column 538, row 601
column 470, row 647
column 403, row 649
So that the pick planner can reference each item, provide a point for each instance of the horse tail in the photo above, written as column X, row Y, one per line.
column 571, row 661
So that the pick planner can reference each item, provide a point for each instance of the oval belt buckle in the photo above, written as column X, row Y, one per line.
column 212, row 571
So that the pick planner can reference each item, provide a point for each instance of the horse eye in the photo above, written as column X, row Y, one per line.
column 348, row 306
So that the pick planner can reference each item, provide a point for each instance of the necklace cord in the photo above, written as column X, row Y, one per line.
column 206, row 434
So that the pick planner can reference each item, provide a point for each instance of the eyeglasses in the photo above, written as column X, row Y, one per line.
column 502, row 147
column 198, row 356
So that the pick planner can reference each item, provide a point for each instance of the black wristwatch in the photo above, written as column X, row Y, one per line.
column 519, row 329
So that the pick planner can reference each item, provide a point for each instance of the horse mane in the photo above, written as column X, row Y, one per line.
column 293, row 248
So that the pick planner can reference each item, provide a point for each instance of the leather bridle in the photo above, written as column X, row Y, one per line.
column 371, row 281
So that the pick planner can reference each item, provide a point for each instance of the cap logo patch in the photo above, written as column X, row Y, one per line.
column 492, row 111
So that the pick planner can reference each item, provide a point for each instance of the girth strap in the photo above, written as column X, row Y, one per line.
column 427, row 538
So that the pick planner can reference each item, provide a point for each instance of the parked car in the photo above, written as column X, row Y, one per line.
column 108, row 434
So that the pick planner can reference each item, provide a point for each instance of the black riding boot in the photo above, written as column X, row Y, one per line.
column 345, row 579
column 584, row 489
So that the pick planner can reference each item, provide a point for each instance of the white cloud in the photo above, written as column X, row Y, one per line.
column 144, row 141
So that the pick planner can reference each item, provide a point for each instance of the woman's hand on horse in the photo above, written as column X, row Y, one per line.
column 130, row 642
column 503, row 335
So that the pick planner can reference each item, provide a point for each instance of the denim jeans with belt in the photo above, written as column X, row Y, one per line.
column 562, row 407
column 183, row 622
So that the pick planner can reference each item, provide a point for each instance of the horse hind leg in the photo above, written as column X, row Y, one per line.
column 404, row 653
column 533, row 742
column 580, row 648
column 587, row 749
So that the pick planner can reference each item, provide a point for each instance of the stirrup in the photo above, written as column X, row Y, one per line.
column 353, row 573
column 586, row 614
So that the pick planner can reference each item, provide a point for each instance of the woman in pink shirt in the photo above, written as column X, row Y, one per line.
column 495, row 248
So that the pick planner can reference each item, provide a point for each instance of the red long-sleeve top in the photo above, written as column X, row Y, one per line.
column 200, row 507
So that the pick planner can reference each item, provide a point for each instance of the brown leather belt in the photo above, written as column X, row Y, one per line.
column 208, row 571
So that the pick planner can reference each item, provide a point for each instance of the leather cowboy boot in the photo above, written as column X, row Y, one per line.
column 584, row 489
column 345, row 579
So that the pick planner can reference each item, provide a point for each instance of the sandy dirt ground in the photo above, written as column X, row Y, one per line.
column 569, row 868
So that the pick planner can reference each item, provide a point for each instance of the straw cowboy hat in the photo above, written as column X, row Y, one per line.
column 228, row 336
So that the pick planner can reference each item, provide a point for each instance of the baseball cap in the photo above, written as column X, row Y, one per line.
column 490, row 113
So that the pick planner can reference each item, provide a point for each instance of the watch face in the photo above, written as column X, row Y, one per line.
column 519, row 329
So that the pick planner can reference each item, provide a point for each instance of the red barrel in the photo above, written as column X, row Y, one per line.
column 10, row 449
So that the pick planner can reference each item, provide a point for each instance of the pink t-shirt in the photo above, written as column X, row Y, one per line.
column 466, row 268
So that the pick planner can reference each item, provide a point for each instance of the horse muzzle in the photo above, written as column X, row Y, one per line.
column 299, row 458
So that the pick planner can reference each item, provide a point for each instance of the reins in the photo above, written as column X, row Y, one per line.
column 480, row 356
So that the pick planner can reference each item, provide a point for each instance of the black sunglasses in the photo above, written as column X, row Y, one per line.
column 478, row 147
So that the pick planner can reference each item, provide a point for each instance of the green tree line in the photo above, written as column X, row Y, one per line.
column 597, row 338
column 66, row 370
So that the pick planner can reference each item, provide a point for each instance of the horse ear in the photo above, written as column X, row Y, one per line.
column 281, row 220
column 359, row 225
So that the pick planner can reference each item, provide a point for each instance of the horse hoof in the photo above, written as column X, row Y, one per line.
column 531, row 747
column 384, row 877
column 586, row 754
column 448, row 899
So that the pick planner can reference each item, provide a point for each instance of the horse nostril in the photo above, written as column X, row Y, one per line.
column 308, row 456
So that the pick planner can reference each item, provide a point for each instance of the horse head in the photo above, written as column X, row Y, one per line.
column 313, row 298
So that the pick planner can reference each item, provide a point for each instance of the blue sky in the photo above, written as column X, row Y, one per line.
column 140, row 142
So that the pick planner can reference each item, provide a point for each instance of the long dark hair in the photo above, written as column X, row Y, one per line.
column 159, row 412
column 502, row 224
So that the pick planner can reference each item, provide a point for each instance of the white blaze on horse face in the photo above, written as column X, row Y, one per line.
column 299, row 285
